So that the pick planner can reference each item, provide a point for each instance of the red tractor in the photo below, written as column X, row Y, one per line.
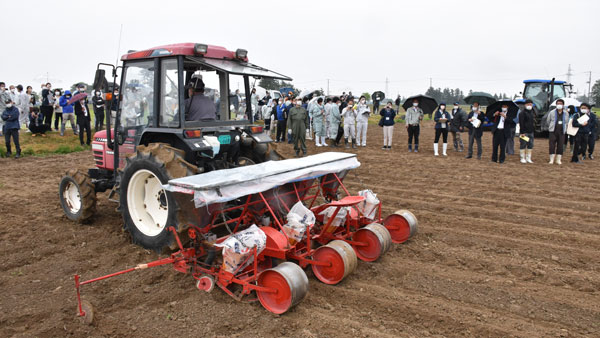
column 153, row 139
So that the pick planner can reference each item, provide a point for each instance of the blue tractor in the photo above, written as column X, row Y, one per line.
column 542, row 93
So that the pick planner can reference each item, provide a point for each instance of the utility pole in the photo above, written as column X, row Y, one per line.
column 327, row 87
column 569, row 74
column 590, row 87
column 386, row 86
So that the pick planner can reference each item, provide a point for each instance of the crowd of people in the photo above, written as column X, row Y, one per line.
column 338, row 118
column 23, row 107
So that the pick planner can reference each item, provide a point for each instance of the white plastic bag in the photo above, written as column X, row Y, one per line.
column 339, row 218
column 239, row 246
column 369, row 206
column 298, row 220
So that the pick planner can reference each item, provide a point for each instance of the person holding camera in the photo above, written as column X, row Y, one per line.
column 441, row 119
column 500, row 132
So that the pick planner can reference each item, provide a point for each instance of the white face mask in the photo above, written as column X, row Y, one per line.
column 504, row 110
column 585, row 111
column 415, row 104
column 57, row 94
column 559, row 106
column 455, row 107
column 529, row 107
column 362, row 101
column 442, row 107
column 475, row 108
column 568, row 110
column 12, row 90
column 8, row 105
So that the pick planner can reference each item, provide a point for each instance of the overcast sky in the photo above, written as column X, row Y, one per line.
column 480, row 45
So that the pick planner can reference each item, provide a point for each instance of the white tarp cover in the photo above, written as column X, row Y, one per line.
column 226, row 185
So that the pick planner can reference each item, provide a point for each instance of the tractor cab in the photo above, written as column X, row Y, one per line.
column 542, row 93
column 156, row 97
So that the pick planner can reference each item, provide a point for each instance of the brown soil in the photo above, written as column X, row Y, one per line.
column 502, row 250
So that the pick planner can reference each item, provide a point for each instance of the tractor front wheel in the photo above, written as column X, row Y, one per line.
column 77, row 195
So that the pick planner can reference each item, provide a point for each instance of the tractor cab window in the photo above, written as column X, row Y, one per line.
column 137, row 105
column 169, row 96
column 538, row 93
column 212, row 82
column 237, row 98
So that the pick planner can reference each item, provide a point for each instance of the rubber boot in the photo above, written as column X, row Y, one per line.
column 444, row 148
column 558, row 158
column 346, row 143
column 551, row 159
column 354, row 143
column 416, row 148
column 522, row 153
column 333, row 144
column 435, row 150
column 529, row 152
column 317, row 143
column 323, row 141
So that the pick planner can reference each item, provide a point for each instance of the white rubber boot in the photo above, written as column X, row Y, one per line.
column 522, row 153
column 323, row 142
column 444, row 148
column 551, row 159
column 558, row 158
column 435, row 150
column 317, row 143
column 529, row 152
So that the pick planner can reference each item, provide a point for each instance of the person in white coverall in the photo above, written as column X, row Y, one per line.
column 362, row 122
column 349, row 115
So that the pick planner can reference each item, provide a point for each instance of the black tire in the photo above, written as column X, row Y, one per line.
column 165, row 163
column 84, row 192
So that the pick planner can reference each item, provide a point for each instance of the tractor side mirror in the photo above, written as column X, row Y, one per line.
column 100, row 82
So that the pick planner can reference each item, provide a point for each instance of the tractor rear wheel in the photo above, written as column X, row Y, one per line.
column 148, row 209
column 77, row 195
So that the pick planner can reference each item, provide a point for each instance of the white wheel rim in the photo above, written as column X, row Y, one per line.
column 147, row 203
column 72, row 197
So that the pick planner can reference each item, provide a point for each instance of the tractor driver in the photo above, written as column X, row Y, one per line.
column 199, row 107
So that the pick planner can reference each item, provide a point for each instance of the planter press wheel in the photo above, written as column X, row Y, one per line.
column 377, row 239
column 402, row 225
column 290, row 283
column 206, row 283
column 341, row 257
column 88, row 309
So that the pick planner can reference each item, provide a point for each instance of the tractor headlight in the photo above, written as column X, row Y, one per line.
column 241, row 53
column 200, row 48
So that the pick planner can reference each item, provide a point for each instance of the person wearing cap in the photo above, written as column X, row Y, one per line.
column 362, row 122
column 67, row 110
column 441, row 118
column 583, row 133
column 199, row 107
column 500, row 131
column 457, row 126
column 334, row 123
column 10, row 116
column 556, row 122
column 297, row 124
column 475, row 133
column 526, row 125
column 414, row 116
column 349, row 114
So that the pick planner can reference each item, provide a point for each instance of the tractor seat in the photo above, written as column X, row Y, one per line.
column 347, row 201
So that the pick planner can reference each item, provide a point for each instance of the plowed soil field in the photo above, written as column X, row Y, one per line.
column 502, row 250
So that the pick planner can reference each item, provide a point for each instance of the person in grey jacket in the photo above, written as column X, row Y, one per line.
column 457, row 126
column 414, row 116
column 556, row 122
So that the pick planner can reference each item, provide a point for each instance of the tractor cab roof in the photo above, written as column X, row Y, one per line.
column 544, row 81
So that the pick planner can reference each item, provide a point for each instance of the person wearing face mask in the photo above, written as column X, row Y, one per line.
column 583, row 134
column 349, row 115
column 568, row 138
column 67, row 111
column 57, row 109
column 387, row 122
column 362, row 122
column 4, row 96
column 318, row 114
column 83, row 121
column 334, row 123
column 556, row 121
column 282, row 115
column 457, row 124
column 526, row 125
column 47, row 107
column 441, row 118
column 474, row 123
column 297, row 124
column 593, row 132
column 22, row 103
column 13, row 93
column 414, row 116
column 500, row 132
column 327, row 112
column 288, row 106
column 98, row 103
column 10, row 116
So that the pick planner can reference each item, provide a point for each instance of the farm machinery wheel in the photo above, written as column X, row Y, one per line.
column 402, row 225
column 77, row 195
column 290, row 283
column 341, row 258
column 376, row 240
column 148, row 209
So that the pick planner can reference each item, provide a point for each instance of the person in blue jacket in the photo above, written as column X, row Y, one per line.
column 387, row 122
column 442, row 119
column 67, row 114
column 282, row 113
column 10, row 116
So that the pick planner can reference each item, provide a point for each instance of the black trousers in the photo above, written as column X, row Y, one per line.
column 413, row 132
column 281, row 130
column 57, row 116
column 99, row 123
column 556, row 141
column 47, row 112
column 14, row 134
column 591, row 140
column 498, row 143
column 443, row 132
column 340, row 134
column 84, row 124
column 581, row 141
